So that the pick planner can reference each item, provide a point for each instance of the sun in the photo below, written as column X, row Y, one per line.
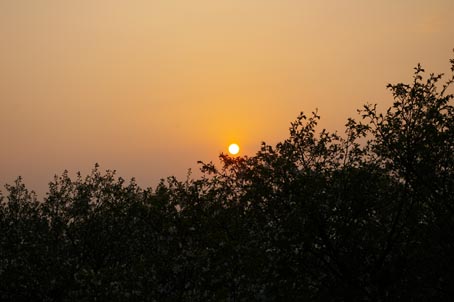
column 234, row 149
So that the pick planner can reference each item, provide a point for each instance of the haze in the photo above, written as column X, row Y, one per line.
column 150, row 87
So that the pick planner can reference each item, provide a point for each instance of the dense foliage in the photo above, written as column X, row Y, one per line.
column 363, row 216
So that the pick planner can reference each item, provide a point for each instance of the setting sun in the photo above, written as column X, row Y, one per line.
column 234, row 149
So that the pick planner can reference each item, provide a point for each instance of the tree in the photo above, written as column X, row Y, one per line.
column 362, row 216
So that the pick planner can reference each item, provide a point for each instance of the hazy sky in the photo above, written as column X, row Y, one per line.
column 149, row 87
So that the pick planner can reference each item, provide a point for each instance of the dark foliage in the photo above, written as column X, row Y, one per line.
column 365, row 216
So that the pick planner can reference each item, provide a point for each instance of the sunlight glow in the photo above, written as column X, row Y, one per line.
column 234, row 149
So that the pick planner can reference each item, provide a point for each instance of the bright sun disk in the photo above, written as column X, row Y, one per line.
column 234, row 149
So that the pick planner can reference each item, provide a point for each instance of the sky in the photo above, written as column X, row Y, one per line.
column 149, row 87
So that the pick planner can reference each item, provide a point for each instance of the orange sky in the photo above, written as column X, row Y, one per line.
column 148, row 87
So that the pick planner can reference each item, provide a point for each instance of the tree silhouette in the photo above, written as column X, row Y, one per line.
column 362, row 216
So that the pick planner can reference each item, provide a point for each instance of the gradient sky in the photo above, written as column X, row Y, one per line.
column 148, row 87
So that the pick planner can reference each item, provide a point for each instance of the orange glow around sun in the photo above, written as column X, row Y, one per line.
column 234, row 149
